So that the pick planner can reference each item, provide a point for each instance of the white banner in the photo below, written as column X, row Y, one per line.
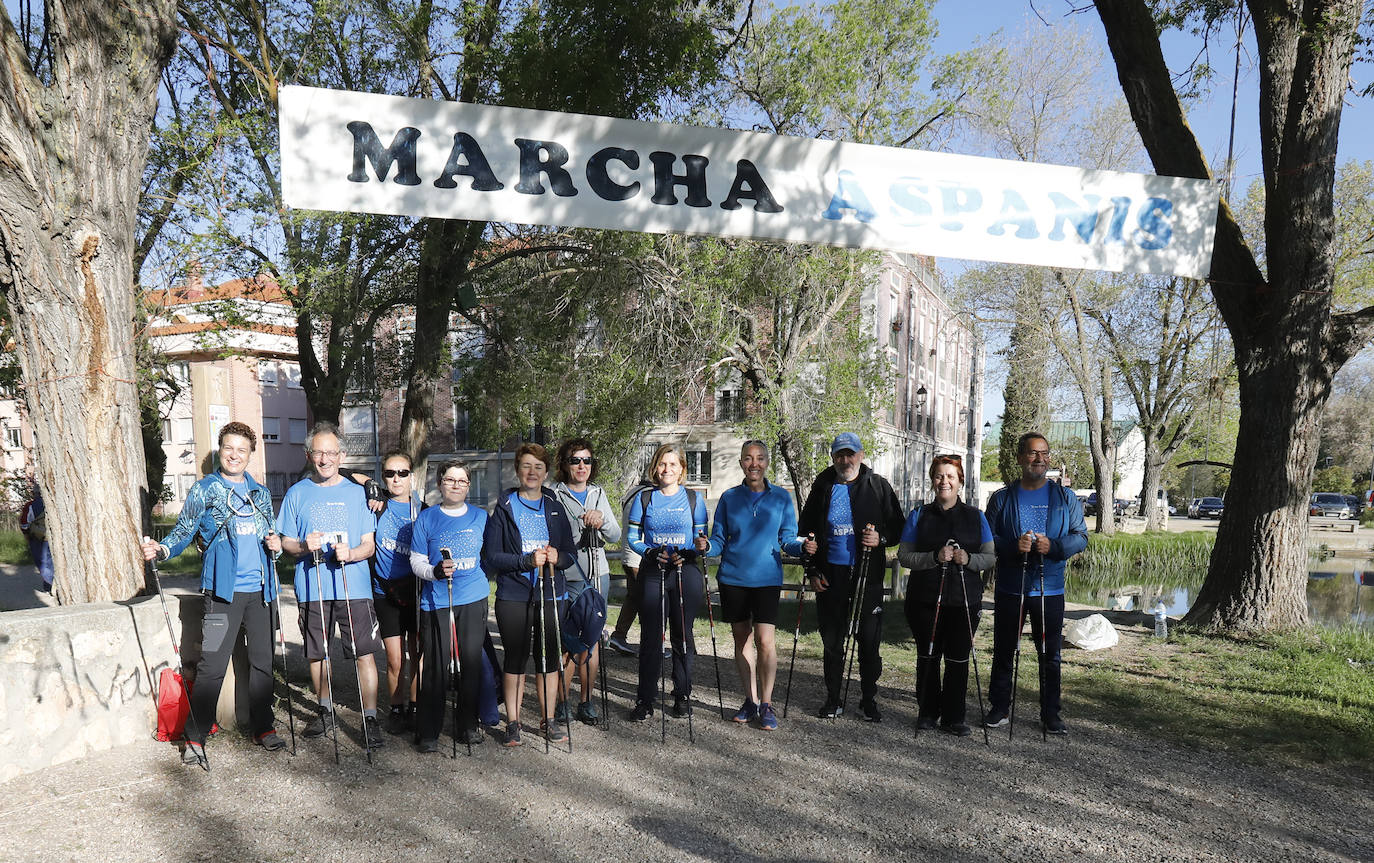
column 417, row 157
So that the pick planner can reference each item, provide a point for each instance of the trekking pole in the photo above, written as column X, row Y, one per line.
column 860, row 586
column 202, row 758
column 711, row 616
column 558, row 652
column 930, row 651
column 796, row 636
column 317, row 557
column 1020, row 630
column 457, row 669
column 1044, row 726
column 357, row 675
column 973, row 654
column 281, row 643
column 682, row 631
column 595, row 577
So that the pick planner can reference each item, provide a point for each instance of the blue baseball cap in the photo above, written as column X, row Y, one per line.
column 846, row 440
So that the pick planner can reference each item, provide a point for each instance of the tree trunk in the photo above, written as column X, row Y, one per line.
column 1149, row 485
column 444, row 255
column 1288, row 342
column 71, row 162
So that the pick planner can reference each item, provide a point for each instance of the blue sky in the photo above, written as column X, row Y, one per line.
column 962, row 23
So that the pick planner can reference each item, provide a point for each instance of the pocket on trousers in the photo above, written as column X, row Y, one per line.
column 213, row 632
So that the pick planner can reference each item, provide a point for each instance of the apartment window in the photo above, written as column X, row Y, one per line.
column 12, row 437
column 699, row 465
column 293, row 375
column 405, row 325
column 183, row 430
column 278, row 483
column 271, row 429
column 267, row 374
column 184, row 483
column 729, row 405
column 297, row 429
column 180, row 371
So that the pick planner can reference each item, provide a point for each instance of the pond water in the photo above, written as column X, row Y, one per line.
column 1340, row 592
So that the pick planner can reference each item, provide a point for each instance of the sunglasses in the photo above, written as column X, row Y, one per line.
column 952, row 457
column 402, row 473
column 581, row 459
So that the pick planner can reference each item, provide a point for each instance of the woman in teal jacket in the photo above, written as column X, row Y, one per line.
column 231, row 514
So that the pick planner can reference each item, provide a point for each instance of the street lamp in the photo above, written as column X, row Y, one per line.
column 921, row 396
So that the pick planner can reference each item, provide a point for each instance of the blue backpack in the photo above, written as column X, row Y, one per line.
column 584, row 619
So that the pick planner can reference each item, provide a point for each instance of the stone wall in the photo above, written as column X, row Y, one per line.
column 80, row 679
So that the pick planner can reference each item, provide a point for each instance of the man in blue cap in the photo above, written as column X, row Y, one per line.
column 850, row 507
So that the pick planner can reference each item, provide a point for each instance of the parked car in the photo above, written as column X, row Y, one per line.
column 1210, row 507
column 1329, row 505
column 1119, row 505
column 1354, row 503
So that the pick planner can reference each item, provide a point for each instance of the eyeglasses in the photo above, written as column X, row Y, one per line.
column 581, row 459
column 402, row 473
column 455, row 482
column 326, row 453
column 1038, row 454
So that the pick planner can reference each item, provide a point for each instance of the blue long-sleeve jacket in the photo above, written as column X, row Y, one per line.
column 751, row 537
column 207, row 513
column 1064, row 525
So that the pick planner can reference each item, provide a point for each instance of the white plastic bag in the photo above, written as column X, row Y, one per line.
column 1093, row 632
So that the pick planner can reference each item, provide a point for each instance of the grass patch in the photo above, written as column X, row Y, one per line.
column 1173, row 559
column 14, row 549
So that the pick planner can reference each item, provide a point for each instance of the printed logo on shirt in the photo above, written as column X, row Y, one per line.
column 393, row 546
column 245, row 527
column 466, row 562
column 674, row 539
column 532, row 545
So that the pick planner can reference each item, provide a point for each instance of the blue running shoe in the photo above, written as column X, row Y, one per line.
column 747, row 713
column 768, row 720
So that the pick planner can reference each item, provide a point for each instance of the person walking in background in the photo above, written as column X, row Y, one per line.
column 33, row 523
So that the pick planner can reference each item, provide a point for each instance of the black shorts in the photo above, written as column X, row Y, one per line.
column 749, row 604
column 337, row 613
column 396, row 608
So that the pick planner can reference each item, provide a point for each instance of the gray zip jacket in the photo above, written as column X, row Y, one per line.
column 610, row 527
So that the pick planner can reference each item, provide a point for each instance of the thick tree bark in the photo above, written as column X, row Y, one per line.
column 71, row 162
column 1288, row 343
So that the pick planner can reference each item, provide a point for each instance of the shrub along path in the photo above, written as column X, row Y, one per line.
column 1122, row 787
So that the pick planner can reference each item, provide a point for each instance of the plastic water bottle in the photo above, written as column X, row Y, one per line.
column 1161, row 622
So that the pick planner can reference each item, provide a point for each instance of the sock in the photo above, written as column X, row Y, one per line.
column 371, row 712
column 398, row 709
column 326, row 705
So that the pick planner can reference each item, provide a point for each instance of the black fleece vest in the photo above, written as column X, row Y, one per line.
column 934, row 528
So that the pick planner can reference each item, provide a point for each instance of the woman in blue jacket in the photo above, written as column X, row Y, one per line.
column 526, row 531
column 232, row 516
column 755, row 523
column 663, row 526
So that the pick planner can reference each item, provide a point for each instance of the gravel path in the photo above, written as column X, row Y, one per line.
column 813, row 791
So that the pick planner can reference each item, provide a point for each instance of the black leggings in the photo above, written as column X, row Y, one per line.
column 219, row 635
column 942, row 701
column 517, row 620
column 684, row 601
column 435, row 680
column 629, row 609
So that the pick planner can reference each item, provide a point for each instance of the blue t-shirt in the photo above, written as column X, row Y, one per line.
column 248, row 577
column 534, row 529
column 1034, row 509
column 669, row 521
column 462, row 536
column 340, row 512
column 581, row 496
column 842, row 549
column 393, row 540
column 909, row 529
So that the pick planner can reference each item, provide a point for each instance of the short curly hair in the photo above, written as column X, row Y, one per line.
column 240, row 429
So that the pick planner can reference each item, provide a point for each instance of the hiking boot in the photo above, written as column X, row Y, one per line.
column 512, row 735
column 372, row 733
column 587, row 712
column 552, row 731
column 1055, row 726
column 958, row 729
column 830, row 709
column 397, row 722
column 428, row 746
column 768, row 720
column 560, row 713
column 621, row 646
column 194, row 753
column 472, row 737
column 995, row 719
column 748, row 712
column 643, row 710
column 925, row 723
column 682, row 706
column 868, row 711
column 322, row 724
column 270, row 741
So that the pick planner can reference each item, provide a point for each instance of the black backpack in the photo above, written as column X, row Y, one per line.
column 584, row 619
